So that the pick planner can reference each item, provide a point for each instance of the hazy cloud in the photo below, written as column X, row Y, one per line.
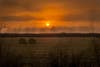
column 72, row 10
column 18, row 18
column 86, row 16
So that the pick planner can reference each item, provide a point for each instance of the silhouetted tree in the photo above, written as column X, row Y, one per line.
column 2, row 26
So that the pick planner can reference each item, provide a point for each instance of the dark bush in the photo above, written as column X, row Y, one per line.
column 22, row 41
column 32, row 41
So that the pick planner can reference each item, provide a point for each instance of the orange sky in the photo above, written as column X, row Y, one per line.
column 35, row 13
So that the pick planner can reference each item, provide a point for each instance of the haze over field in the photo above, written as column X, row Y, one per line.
column 17, row 14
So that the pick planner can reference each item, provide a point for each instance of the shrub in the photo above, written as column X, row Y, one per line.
column 32, row 41
column 22, row 41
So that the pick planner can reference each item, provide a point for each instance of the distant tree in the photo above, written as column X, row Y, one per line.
column 2, row 26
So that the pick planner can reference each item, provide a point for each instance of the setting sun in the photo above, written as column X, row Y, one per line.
column 48, row 24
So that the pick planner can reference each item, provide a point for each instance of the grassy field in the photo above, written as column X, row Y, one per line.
column 50, row 51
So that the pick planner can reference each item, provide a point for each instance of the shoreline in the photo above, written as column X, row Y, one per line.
column 50, row 35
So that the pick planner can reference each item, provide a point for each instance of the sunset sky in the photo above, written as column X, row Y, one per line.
column 59, row 13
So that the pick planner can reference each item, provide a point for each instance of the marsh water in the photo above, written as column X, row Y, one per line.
column 50, row 51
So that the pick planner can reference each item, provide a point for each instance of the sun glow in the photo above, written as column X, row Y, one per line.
column 48, row 24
